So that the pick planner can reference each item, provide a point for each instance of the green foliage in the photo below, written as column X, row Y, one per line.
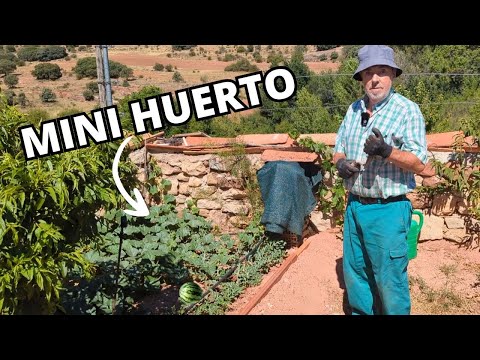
column 68, row 112
column 10, row 97
column 47, row 72
column 242, row 65
column 11, row 80
column 22, row 99
column 48, row 95
column 331, row 192
column 92, row 86
column 325, row 47
column 124, row 110
column 41, row 53
column 177, row 77
column 298, row 66
column 7, row 66
column 36, row 116
column 47, row 215
column 8, row 56
column 158, row 67
column 275, row 59
column 88, row 95
column 309, row 115
column 87, row 67
column 257, row 57
column 229, row 57
column 182, row 47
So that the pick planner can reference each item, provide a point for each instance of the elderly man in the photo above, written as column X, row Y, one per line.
column 381, row 143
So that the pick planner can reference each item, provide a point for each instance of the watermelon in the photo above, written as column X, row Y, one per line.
column 190, row 292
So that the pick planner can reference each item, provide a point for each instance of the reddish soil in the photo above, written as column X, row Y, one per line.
column 194, row 70
column 444, row 279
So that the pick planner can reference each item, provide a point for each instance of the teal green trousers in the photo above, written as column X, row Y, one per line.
column 375, row 257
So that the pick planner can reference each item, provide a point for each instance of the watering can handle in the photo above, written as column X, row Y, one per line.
column 420, row 216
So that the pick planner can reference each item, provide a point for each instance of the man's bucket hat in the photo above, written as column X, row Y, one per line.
column 371, row 55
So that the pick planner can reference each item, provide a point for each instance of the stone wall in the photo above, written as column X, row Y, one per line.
column 207, row 179
column 223, row 199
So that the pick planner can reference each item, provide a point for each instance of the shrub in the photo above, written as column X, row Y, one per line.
column 88, row 95
column 242, row 65
column 68, row 112
column 177, row 77
column 22, row 99
column 7, row 66
column 47, row 72
column 11, row 80
column 169, row 68
column 92, row 86
column 42, row 53
column 158, row 67
column 10, row 96
column 125, row 83
column 87, row 67
column 334, row 56
column 47, row 95
column 182, row 47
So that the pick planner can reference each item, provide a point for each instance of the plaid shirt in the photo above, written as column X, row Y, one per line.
column 402, row 125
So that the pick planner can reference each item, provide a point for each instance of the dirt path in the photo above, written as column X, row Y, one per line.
column 444, row 279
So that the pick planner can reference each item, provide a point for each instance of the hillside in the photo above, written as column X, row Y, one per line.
column 204, row 64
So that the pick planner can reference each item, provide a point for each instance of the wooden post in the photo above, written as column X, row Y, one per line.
column 100, row 78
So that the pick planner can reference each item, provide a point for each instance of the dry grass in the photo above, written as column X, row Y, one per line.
column 201, row 68
column 444, row 299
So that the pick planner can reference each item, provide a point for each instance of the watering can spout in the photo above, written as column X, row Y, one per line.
column 413, row 234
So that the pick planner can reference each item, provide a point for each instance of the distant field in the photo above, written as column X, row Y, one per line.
column 194, row 69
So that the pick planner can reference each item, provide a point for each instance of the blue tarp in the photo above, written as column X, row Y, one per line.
column 288, row 194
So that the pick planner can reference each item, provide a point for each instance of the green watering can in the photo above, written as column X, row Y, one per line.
column 413, row 234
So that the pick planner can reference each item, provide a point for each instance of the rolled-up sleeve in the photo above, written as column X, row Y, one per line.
column 340, row 139
column 415, row 140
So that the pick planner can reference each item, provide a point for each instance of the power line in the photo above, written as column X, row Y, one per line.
column 403, row 74
column 328, row 106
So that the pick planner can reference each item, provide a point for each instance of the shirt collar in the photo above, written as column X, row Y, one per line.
column 380, row 104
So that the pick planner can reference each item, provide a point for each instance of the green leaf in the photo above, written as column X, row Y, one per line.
column 39, row 203
column 21, row 197
column 27, row 273
column 39, row 279
column 51, row 191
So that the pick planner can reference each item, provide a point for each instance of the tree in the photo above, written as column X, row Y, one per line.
column 310, row 116
column 87, row 67
column 47, row 72
column 299, row 68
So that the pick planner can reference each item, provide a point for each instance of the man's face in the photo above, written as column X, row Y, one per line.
column 377, row 81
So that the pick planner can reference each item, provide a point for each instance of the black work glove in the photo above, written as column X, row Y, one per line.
column 346, row 168
column 375, row 145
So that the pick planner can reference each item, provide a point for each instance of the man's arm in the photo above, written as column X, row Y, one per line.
column 406, row 160
column 337, row 156
column 376, row 145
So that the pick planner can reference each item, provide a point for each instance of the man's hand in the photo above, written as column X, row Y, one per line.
column 346, row 168
column 376, row 145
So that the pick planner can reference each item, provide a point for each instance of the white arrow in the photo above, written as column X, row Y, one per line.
column 140, row 206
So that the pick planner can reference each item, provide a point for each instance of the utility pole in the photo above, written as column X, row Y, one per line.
column 106, row 76
column 100, row 78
